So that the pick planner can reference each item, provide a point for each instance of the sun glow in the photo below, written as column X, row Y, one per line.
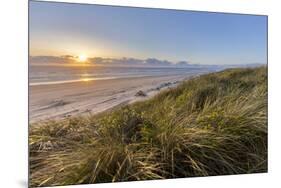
column 85, row 79
column 82, row 58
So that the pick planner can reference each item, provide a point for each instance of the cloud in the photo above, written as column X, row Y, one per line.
column 66, row 59
column 157, row 62
column 183, row 63
column 52, row 59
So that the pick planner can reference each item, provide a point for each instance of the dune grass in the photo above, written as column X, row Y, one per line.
column 214, row 124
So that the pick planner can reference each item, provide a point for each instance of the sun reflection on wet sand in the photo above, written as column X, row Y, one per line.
column 86, row 79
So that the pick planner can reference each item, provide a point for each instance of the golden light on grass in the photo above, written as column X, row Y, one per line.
column 233, row 141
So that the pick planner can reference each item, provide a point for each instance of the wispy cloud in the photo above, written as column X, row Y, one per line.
column 68, row 59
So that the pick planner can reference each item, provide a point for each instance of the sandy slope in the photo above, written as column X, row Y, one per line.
column 88, row 97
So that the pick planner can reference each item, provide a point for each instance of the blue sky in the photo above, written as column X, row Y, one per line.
column 106, row 31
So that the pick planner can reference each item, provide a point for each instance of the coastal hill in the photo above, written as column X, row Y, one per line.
column 213, row 124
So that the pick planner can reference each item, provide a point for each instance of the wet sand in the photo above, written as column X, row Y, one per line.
column 57, row 101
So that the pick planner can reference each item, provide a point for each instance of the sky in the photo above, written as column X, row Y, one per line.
column 57, row 29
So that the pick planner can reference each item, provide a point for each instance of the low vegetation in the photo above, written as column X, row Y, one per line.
column 214, row 124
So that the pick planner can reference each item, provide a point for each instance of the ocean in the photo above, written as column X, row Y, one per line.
column 58, row 74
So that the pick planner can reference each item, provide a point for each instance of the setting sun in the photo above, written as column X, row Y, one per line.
column 82, row 58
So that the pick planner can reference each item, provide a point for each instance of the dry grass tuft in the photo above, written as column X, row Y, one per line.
column 215, row 124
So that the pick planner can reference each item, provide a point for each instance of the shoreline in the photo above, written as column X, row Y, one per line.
column 87, row 80
column 60, row 101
